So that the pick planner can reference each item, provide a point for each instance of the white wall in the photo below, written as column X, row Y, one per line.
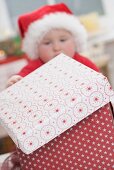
column 109, row 9
column 6, row 29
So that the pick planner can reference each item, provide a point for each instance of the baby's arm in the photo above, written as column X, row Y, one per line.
column 13, row 80
column 31, row 66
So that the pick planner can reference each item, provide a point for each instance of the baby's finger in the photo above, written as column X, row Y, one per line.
column 9, row 84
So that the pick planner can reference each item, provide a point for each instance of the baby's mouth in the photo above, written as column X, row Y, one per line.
column 57, row 54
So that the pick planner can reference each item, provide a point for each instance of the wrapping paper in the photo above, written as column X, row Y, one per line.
column 51, row 100
column 88, row 145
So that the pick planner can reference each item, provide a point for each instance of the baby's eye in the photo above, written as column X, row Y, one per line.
column 47, row 43
column 63, row 39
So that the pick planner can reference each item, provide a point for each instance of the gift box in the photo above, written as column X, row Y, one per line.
column 60, row 117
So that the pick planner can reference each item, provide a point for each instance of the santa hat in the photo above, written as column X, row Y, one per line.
column 34, row 26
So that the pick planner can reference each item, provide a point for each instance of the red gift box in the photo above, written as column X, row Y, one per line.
column 86, row 146
column 60, row 117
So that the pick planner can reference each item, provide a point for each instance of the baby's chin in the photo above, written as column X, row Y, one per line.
column 71, row 55
column 57, row 54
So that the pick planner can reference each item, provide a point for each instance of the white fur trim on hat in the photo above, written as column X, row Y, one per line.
column 38, row 29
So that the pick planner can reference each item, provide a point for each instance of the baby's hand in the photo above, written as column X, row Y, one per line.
column 13, row 80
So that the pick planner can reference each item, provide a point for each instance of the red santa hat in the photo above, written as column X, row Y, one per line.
column 34, row 26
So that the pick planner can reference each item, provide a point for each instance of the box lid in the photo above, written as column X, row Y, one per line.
column 50, row 100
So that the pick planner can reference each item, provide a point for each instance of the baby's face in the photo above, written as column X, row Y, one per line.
column 55, row 42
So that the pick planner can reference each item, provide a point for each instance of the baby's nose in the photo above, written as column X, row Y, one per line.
column 56, row 46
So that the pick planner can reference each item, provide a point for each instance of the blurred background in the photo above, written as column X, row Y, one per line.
column 97, row 17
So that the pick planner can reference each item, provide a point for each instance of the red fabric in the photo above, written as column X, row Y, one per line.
column 13, row 58
column 26, row 19
column 37, row 63
column 87, row 145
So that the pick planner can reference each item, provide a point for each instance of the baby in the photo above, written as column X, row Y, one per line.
column 47, row 32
